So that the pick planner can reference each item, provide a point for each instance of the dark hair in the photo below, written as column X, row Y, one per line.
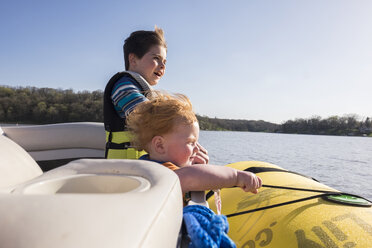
column 140, row 42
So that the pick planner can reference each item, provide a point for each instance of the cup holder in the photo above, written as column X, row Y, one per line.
column 87, row 184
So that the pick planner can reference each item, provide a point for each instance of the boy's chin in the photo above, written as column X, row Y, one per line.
column 153, row 83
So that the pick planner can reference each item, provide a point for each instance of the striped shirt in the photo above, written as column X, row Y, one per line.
column 125, row 95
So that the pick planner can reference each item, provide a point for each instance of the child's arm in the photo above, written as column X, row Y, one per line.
column 207, row 177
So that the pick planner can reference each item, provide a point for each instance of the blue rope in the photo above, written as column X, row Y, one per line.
column 205, row 228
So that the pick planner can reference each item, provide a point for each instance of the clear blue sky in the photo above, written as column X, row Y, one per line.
column 244, row 59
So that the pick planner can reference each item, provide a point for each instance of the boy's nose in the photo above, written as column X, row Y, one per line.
column 162, row 65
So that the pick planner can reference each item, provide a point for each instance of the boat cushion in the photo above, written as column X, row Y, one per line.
column 16, row 166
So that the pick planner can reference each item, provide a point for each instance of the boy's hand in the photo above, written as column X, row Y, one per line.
column 202, row 156
column 248, row 181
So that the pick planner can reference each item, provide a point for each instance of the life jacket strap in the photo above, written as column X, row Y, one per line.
column 125, row 145
column 116, row 146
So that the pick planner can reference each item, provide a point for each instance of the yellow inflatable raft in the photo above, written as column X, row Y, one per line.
column 292, row 210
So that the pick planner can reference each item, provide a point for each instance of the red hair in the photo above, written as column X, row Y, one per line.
column 158, row 116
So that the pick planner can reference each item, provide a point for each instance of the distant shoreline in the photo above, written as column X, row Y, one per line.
column 47, row 105
column 220, row 130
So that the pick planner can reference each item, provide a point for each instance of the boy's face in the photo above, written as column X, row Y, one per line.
column 180, row 144
column 151, row 66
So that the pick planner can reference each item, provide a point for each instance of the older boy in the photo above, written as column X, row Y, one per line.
column 167, row 128
column 145, row 58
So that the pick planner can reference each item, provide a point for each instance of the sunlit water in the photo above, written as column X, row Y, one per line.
column 344, row 163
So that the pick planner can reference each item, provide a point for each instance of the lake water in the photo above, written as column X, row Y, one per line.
column 344, row 163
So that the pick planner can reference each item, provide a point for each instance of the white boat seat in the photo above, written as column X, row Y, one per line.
column 16, row 165
column 87, row 203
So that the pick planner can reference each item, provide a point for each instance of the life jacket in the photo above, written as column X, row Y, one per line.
column 117, row 137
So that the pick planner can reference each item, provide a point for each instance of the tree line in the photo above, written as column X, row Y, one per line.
column 207, row 123
column 31, row 105
column 350, row 125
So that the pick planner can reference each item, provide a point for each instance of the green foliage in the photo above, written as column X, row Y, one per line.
column 347, row 125
column 207, row 123
column 45, row 105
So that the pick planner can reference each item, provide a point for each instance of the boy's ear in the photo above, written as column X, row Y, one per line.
column 158, row 144
column 132, row 59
